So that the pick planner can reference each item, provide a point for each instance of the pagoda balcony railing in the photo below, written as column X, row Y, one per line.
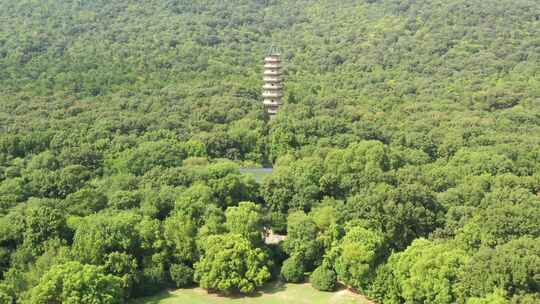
column 272, row 60
column 272, row 66
column 273, row 86
column 272, row 102
column 272, row 79
column 272, row 73
column 272, row 94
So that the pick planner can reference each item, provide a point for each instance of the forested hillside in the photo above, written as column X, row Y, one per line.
column 406, row 157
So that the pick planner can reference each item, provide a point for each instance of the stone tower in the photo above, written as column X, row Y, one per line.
column 273, row 83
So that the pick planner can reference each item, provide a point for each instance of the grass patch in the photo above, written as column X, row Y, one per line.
column 274, row 293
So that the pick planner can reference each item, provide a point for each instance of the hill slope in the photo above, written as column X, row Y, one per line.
column 357, row 69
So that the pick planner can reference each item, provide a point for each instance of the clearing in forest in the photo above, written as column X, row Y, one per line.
column 275, row 293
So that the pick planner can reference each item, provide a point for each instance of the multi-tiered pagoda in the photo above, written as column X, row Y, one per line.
column 273, row 83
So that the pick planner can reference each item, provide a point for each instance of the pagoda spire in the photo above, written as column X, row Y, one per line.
column 273, row 82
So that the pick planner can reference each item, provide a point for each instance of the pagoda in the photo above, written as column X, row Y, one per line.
column 273, row 83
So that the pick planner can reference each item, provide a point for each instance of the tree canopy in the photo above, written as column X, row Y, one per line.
column 405, row 157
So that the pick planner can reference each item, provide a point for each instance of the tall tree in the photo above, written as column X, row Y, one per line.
column 73, row 283
column 230, row 263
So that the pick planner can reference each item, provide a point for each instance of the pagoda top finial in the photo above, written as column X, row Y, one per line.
column 273, row 51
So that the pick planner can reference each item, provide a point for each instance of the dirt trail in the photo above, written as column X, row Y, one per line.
column 339, row 296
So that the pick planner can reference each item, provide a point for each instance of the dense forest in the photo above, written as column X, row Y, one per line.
column 406, row 156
